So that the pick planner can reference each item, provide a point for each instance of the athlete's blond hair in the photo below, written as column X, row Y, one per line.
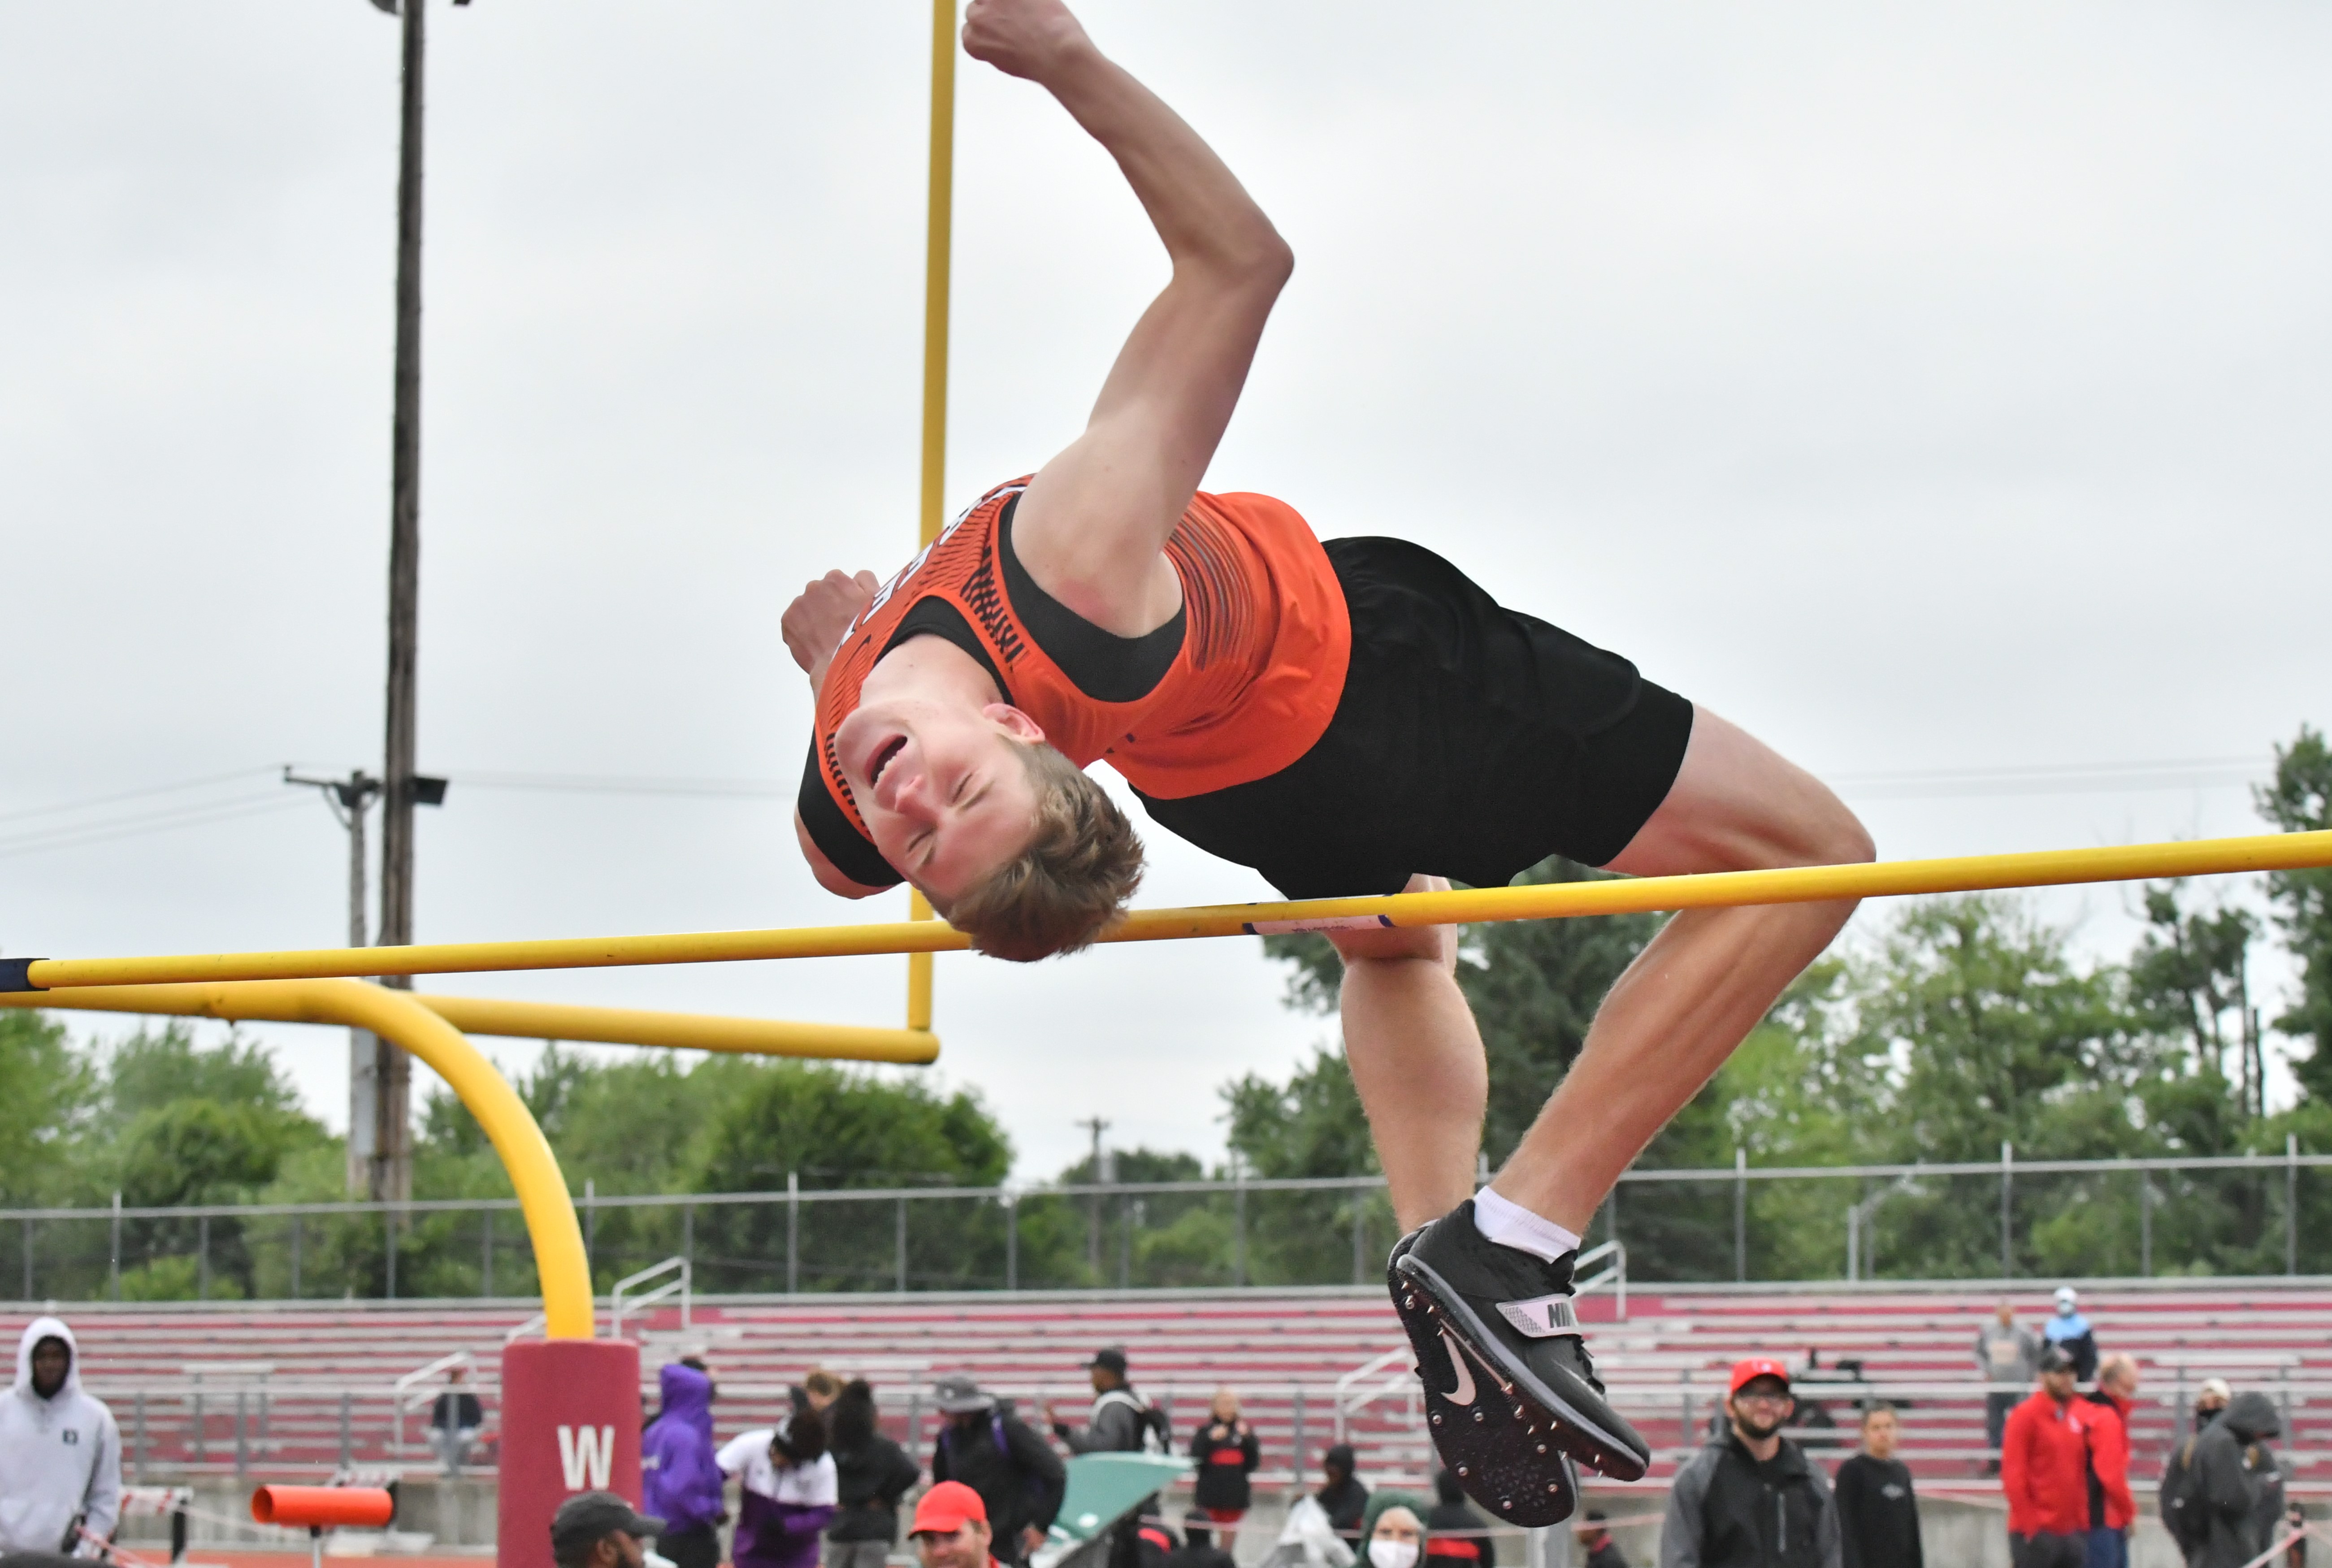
column 1079, row 868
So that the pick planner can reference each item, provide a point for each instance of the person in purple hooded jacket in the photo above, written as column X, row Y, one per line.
column 788, row 1491
column 680, row 1473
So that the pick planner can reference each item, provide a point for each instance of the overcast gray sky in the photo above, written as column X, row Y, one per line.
column 1925, row 390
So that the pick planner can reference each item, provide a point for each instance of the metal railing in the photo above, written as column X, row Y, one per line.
column 2251, row 1215
column 618, row 1306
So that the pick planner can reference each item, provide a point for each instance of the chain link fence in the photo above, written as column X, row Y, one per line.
column 2236, row 1216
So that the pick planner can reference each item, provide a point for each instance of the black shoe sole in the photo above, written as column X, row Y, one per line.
column 1504, row 1456
column 1430, row 1308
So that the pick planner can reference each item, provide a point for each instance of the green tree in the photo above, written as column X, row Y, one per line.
column 835, row 1129
column 45, row 1089
column 2300, row 801
column 184, row 1125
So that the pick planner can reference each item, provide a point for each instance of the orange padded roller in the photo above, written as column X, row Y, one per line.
column 320, row 1505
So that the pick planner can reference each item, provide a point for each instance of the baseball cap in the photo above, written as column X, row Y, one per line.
column 2056, row 1358
column 946, row 1509
column 2217, row 1386
column 958, row 1393
column 1110, row 1360
column 1754, row 1367
column 585, row 1520
column 2066, row 1297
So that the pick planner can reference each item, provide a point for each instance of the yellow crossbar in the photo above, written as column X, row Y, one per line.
column 523, row 1020
column 1796, row 885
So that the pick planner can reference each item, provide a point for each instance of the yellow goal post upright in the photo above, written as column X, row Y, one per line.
column 939, row 241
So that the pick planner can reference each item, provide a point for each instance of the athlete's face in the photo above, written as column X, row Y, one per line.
column 941, row 787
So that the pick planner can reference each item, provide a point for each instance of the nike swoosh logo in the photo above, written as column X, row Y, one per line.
column 1463, row 1394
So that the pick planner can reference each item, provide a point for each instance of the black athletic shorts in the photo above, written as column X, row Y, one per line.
column 1471, row 742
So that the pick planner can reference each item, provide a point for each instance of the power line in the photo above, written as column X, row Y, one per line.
column 75, row 836
column 69, row 808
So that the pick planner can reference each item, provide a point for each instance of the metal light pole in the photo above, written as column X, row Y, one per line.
column 389, row 1176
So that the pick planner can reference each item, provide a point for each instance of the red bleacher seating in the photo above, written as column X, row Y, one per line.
column 297, row 1366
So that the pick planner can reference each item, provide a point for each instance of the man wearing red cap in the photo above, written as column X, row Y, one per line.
column 2044, row 1469
column 951, row 1528
column 1751, row 1499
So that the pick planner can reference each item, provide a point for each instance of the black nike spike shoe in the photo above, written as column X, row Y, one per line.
column 1510, row 1394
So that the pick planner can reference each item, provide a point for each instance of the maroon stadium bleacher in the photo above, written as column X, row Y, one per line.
column 309, row 1385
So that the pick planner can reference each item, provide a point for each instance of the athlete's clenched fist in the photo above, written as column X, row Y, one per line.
column 1022, row 37
column 814, row 622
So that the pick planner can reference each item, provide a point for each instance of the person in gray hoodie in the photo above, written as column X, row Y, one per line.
column 59, row 1451
column 2239, row 1484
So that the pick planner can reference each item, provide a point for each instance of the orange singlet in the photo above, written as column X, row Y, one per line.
column 1259, row 654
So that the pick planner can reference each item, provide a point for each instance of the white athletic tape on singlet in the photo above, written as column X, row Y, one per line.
column 1330, row 923
column 1543, row 1317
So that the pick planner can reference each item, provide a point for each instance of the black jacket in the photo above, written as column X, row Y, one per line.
column 1016, row 1473
column 1726, row 1510
column 1346, row 1504
column 1458, row 1537
column 1877, row 1516
column 1224, row 1461
column 870, row 1477
column 2240, row 1483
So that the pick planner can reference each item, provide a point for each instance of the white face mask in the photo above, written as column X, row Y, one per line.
column 1393, row 1553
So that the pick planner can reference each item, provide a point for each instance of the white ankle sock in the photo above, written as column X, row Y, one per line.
column 1509, row 1224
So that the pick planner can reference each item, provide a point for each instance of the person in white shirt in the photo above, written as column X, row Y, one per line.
column 789, row 1492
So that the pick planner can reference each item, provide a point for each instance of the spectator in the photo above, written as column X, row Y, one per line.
column 59, row 1451
column 2112, row 1510
column 985, row 1446
column 1877, row 1513
column 2044, row 1469
column 951, row 1528
column 2070, row 1331
column 2004, row 1353
column 2211, row 1402
column 816, row 1391
column 1341, row 1494
column 871, row 1474
column 456, row 1418
column 2239, row 1483
column 680, row 1469
column 2177, row 1496
column 1602, row 1552
column 787, row 1491
column 600, row 1530
column 1751, row 1499
column 1396, row 1532
column 1455, row 1536
column 1226, row 1452
column 1199, row 1549
column 1119, row 1423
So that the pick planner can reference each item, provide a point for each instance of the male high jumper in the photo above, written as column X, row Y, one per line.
column 1348, row 718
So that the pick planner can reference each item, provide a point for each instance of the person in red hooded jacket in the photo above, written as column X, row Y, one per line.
column 2111, row 1506
column 2044, row 1469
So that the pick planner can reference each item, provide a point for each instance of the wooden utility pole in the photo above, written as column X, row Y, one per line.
column 390, row 1160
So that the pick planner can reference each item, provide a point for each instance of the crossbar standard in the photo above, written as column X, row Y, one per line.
column 1545, row 900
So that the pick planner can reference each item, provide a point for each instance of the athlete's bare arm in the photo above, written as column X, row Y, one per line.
column 1093, row 523
column 813, row 624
